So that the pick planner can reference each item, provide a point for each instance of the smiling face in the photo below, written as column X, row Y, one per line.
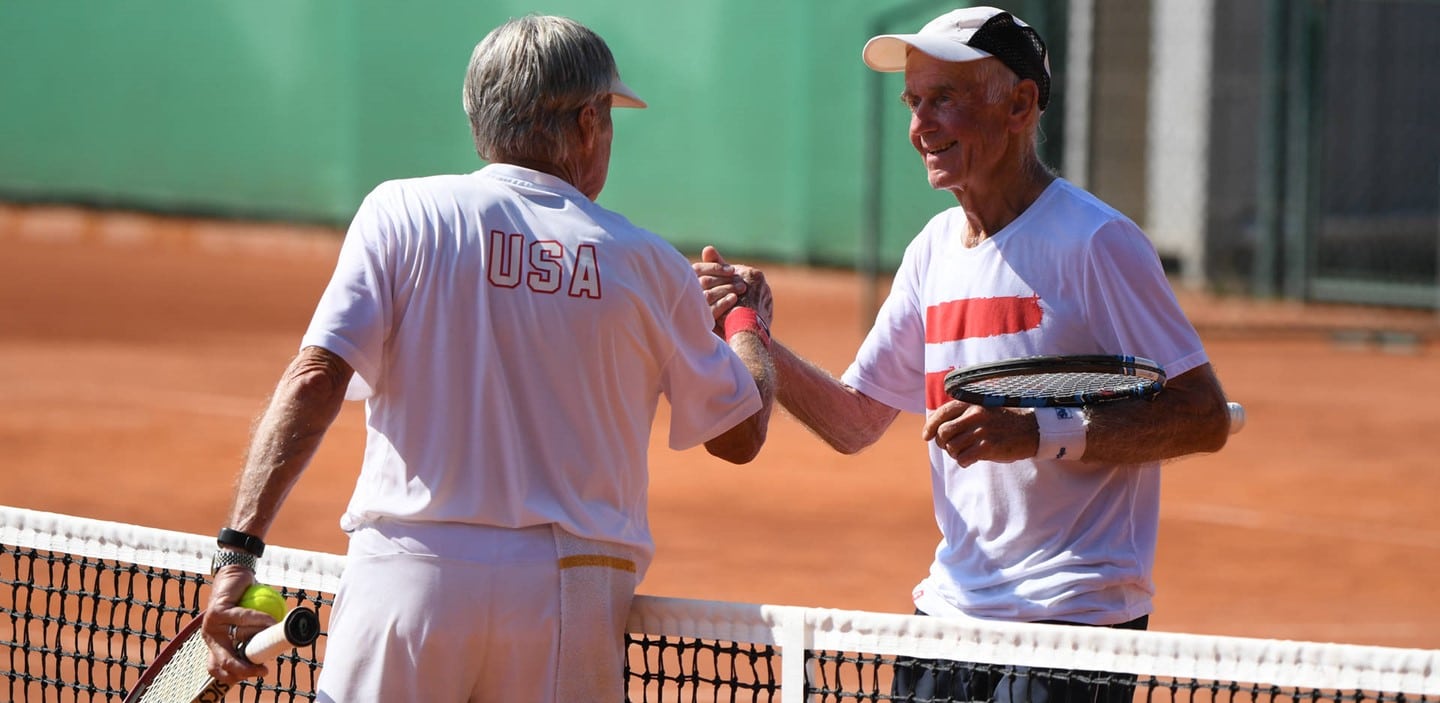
column 960, row 119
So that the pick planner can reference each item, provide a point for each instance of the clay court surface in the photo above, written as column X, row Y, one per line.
column 135, row 351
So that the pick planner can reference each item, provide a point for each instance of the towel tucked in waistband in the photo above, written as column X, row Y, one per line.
column 597, row 583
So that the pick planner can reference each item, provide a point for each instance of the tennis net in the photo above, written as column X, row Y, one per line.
column 86, row 604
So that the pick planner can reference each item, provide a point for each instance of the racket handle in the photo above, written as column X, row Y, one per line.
column 300, row 628
column 1237, row 417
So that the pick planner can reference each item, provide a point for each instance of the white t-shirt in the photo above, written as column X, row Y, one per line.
column 1034, row 539
column 512, row 340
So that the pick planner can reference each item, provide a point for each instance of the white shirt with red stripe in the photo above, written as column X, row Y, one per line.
column 1034, row 539
column 512, row 340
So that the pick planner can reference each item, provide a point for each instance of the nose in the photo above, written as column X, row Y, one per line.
column 920, row 123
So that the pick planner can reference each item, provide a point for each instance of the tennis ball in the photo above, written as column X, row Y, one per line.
column 264, row 599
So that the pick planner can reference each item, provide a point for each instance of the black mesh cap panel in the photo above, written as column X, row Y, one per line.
column 1018, row 47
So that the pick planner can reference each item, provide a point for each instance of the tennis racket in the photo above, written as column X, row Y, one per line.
column 1055, row 381
column 1063, row 381
column 179, row 675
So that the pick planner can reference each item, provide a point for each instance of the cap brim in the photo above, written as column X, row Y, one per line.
column 886, row 53
column 622, row 96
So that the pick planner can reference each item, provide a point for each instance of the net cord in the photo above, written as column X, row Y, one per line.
column 1303, row 665
column 148, row 546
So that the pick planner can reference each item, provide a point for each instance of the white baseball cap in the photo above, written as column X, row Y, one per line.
column 622, row 96
column 968, row 34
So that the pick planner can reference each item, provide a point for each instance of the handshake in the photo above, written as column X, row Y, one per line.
column 738, row 296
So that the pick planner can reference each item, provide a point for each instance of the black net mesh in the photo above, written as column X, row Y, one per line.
column 79, row 628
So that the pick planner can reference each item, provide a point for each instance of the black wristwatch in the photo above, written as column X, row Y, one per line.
column 227, row 557
column 240, row 540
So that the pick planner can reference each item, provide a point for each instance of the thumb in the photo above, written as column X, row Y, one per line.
column 711, row 255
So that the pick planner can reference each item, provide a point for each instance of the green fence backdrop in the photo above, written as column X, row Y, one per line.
column 756, row 136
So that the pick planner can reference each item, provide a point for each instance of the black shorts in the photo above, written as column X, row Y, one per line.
column 937, row 680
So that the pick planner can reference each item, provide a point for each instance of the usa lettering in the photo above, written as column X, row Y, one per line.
column 540, row 266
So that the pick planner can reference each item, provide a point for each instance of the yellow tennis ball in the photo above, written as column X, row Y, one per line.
column 264, row 599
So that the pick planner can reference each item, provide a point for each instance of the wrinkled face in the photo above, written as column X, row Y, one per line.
column 959, row 132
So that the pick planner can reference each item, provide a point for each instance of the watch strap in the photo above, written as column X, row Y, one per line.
column 240, row 540
column 229, row 557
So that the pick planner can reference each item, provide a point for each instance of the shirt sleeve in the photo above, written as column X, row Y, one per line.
column 353, row 316
column 1127, row 290
column 890, row 365
column 709, row 388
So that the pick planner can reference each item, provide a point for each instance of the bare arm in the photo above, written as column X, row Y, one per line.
column 845, row 418
column 1188, row 417
column 741, row 443
column 305, row 403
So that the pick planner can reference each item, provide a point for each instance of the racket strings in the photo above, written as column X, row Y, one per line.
column 185, row 676
column 1059, row 385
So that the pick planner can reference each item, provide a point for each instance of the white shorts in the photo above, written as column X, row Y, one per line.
column 474, row 614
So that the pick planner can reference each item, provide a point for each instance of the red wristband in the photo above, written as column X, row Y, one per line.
column 746, row 320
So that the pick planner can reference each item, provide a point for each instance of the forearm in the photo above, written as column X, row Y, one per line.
column 742, row 443
column 843, row 417
column 306, row 401
column 1188, row 417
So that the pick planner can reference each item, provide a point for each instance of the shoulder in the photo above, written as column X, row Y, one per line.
column 937, row 231
column 1086, row 211
column 1073, row 215
column 1063, row 201
column 415, row 195
column 426, row 187
column 640, row 240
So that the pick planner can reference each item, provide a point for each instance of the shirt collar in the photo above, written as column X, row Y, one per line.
column 529, row 176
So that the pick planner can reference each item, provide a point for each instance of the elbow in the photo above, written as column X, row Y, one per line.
column 848, row 446
column 1216, row 443
column 852, row 442
column 736, row 452
column 317, row 376
column 737, row 456
column 741, row 444
column 1217, row 427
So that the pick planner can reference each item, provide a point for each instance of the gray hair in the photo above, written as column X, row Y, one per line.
column 526, row 83
column 1000, row 81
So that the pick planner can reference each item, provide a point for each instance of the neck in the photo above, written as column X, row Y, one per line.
column 993, row 205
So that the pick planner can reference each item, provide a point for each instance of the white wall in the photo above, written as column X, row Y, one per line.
column 1177, row 150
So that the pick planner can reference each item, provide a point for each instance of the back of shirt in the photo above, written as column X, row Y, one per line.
column 512, row 339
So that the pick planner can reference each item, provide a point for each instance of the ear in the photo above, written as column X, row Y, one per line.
column 1024, row 100
column 588, row 122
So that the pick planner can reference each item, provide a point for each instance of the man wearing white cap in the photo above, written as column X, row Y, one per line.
column 512, row 340
column 1044, row 516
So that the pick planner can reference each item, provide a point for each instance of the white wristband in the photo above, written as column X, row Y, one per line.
column 1062, row 433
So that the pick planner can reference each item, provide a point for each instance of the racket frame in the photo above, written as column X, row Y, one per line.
column 1151, row 375
column 300, row 628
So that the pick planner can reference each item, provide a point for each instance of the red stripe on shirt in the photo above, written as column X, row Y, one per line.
column 935, row 389
column 981, row 317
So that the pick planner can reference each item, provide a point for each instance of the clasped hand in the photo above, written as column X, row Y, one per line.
column 727, row 286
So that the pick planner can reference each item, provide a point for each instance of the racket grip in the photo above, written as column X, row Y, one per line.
column 1237, row 417
column 300, row 628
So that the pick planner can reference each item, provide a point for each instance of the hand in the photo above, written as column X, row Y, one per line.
column 757, row 295
column 971, row 433
column 226, row 625
column 721, row 285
